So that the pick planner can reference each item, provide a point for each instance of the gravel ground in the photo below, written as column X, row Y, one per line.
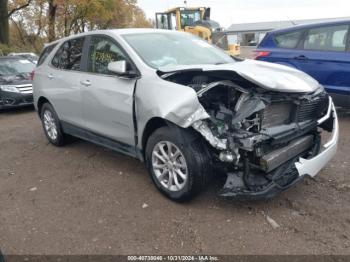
column 84, row 199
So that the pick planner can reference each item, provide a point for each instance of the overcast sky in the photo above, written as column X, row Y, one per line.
column 227, row 12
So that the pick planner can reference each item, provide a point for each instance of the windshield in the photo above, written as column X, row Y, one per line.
column 9, row 67
column 169, row 49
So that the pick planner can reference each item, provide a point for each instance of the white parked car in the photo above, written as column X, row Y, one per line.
column 29, row 56
column 187, row 109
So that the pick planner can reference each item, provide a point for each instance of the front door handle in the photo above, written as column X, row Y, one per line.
column 301, row 57
column 85, row 83
column 50, row 76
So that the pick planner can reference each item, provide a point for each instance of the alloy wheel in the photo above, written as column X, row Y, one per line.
column 169, row 166
column 50, row 125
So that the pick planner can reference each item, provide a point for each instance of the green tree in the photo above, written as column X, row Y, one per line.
column 46, row 20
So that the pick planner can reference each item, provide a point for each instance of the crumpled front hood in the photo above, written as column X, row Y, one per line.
column 269, row 76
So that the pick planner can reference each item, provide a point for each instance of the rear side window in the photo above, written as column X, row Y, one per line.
column 68, row 56
column 45, row 53
column 102, row 51
column 288, row 40
column 331, row 38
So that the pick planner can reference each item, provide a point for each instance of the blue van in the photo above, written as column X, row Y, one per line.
column 321, row 50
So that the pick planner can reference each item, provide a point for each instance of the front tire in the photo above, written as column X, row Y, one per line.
column 52, row 126
column 179, row 163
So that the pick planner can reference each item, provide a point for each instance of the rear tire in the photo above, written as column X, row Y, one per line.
column 179, row 164
column 52, row 126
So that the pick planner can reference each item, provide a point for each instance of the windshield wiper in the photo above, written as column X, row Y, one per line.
column 221, row 63
column 237, row 58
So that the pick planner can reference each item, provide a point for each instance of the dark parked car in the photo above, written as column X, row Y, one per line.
column 15, row 82
column 320, row 50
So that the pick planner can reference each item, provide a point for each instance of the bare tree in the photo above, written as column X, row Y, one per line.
column 5, row 15
column 52, row 20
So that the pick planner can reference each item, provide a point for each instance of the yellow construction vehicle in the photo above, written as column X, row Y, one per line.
column 197, row 21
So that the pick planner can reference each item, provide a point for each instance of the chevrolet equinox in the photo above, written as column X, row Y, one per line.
column 187, row 109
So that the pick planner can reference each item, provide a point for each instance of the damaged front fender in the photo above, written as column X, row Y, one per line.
column 186, row 121
column 175, row 103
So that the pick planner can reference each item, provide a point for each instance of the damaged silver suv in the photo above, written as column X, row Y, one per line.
column 188, row 110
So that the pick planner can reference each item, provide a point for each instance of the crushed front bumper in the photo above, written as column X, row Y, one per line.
column 313, row 166
column 295, row 170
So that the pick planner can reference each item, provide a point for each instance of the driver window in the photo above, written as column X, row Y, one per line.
column 102, row 51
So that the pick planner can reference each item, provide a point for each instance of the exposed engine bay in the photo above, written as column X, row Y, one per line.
column 255, row 135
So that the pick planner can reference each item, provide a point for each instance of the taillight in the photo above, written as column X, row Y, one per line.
column 258, row 54
column 31, row 76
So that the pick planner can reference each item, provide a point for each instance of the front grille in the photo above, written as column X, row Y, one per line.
column 286, row 112
column 25, row 89
column 312, row 109
column 276, row 114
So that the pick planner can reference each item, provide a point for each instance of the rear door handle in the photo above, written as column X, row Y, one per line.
column 301, row 57
column 85, row 83
column 50, row 76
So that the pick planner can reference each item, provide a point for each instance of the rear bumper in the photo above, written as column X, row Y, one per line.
column 10, row 100
column 295, row 170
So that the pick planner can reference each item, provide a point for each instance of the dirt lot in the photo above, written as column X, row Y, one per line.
column 84, row 199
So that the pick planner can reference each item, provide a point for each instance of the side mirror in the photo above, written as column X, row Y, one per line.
column 121, row 68
column 118, row 67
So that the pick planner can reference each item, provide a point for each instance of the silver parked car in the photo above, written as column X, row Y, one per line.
column 187, row 109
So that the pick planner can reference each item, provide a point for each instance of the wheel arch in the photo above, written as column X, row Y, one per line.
column 157, row 122
column 152, row 125
column 41, row 101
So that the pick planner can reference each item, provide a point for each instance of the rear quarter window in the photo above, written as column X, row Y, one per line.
column 288, row 40
column 45, row 53
column 69, row 55
column 331, row 38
